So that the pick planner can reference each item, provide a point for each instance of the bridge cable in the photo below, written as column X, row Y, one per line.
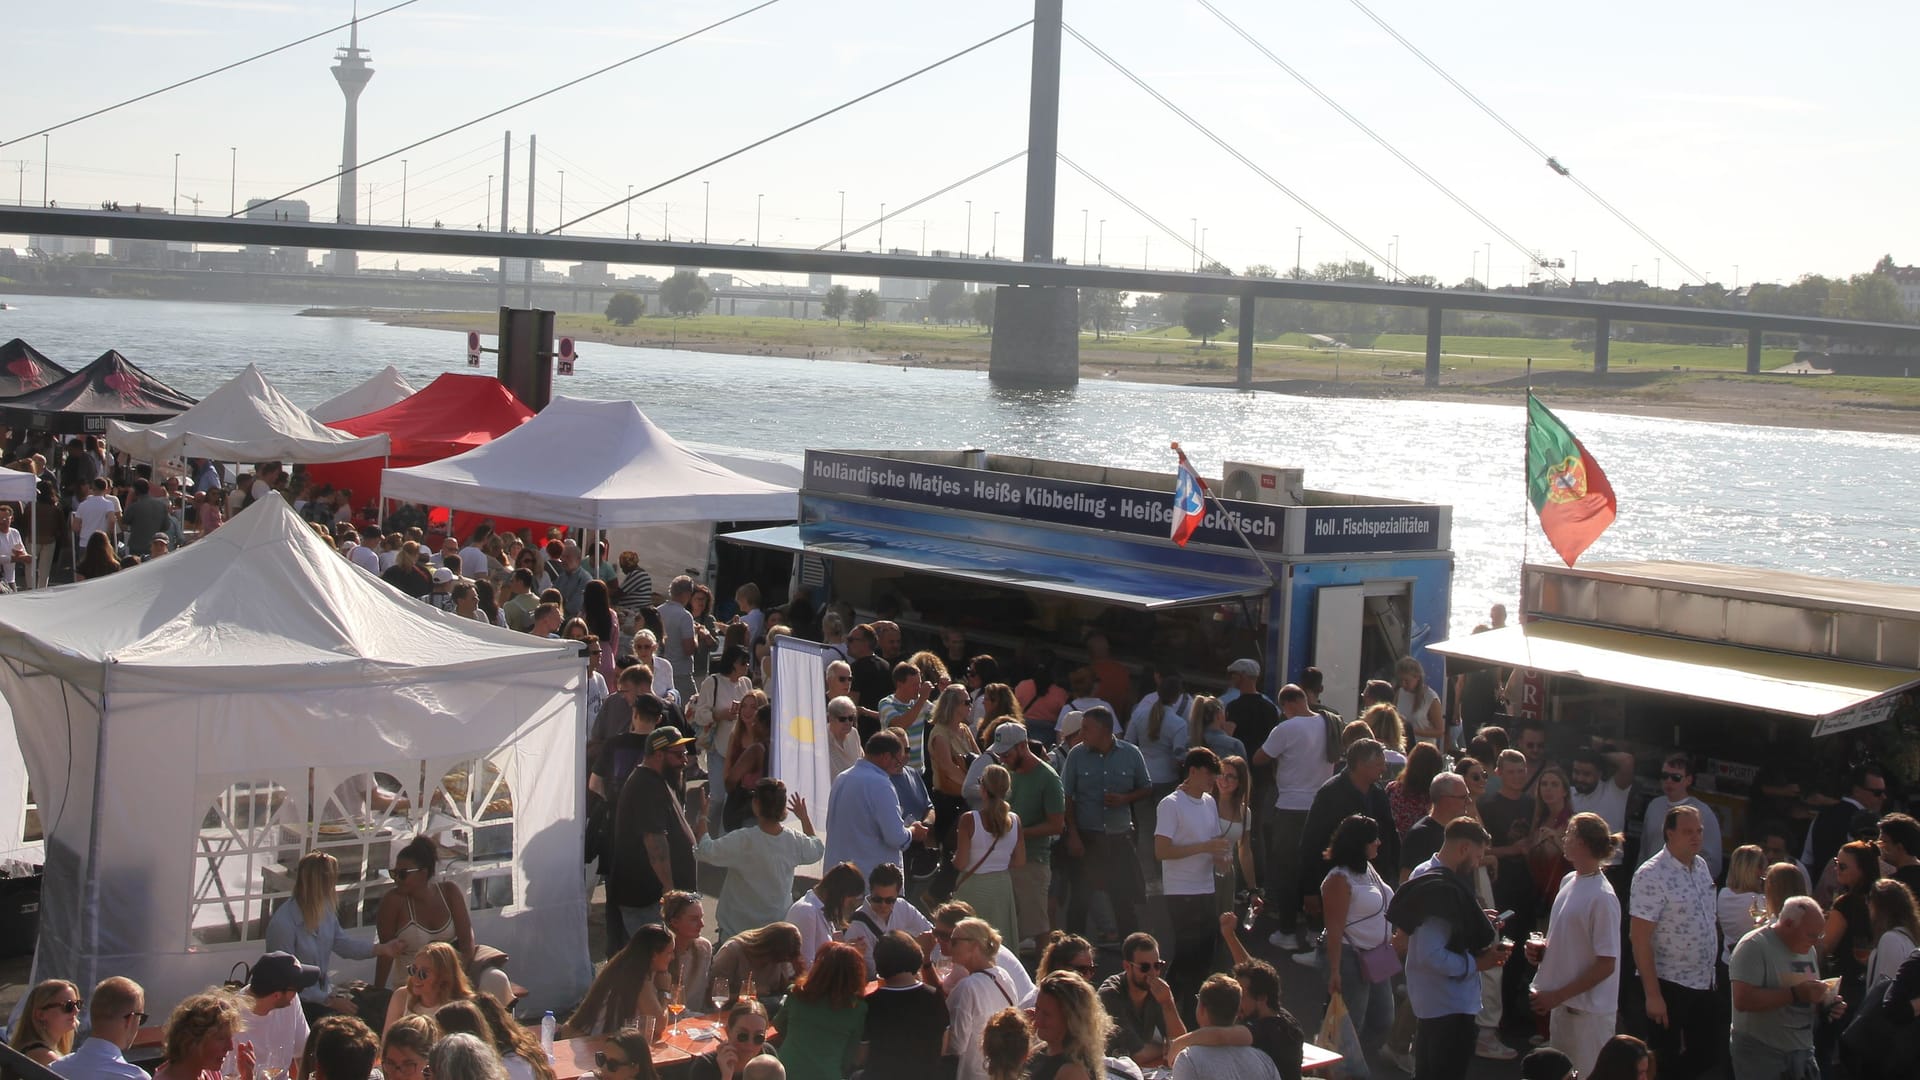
column 790, row 129
column 548, row 92
column 207, row 74
column 1135, row 207
column 1551, row 161
column 1229, row 148
column 1530, row 253
column 963, row 181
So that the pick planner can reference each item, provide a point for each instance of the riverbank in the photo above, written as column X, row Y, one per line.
column 1684, row 383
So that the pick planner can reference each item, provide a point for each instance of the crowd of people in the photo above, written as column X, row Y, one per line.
column 997, row 824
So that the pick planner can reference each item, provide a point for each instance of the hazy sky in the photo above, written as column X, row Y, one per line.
column 1771, row 136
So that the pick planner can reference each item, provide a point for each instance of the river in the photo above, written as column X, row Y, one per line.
column 1825, row 502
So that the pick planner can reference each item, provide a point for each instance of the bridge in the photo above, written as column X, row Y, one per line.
column 1036, row 339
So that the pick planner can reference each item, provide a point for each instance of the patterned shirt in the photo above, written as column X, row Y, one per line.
column 1680, row 900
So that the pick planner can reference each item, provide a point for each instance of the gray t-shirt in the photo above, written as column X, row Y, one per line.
column 1761, row 959
column 676, row 632
column 1223, row 1063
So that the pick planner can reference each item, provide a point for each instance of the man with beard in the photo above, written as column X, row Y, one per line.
column 1602, row 781
column 1452, row 942
column 653, row 841
column 1140, row 1004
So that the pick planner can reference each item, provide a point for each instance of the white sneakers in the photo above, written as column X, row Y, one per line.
column 1488, row 1045
column 1280, row 939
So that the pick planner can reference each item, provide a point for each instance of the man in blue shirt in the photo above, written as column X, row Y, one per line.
column 1453, row 941
column 864, row 823
column 1102, row 779
column 114, row 1015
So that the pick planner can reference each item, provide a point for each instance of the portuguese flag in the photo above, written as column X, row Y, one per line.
column 1564, row 484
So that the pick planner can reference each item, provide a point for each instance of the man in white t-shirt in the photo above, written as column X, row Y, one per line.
column 1297, row 748
column 13, row 551
column 1187, row 839
column 1602, row 782
column 98, row 512
column 1578, row 981
column 275, row 1023
column 885, row 911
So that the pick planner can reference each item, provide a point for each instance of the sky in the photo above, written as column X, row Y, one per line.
column 1768, row 138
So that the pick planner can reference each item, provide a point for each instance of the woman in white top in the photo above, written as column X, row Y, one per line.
column 822, row 912
column 1418, row 705
column 987, row 846
column 1742, row 905
column 1354, row 899
column 976, row 998
column 1896, row 924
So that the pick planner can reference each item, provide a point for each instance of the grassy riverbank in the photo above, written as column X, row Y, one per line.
column 1700, row 382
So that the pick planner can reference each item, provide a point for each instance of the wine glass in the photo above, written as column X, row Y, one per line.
column 676, row 1004
column 718, row 991
column 1757, row 910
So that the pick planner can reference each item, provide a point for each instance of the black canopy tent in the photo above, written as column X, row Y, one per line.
column 110, row 388
column 24, row 369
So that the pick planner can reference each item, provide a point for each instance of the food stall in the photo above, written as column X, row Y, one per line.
column 1029, row 556
column 1767, row 678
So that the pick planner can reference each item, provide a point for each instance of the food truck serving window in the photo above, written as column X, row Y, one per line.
column 1147, row 588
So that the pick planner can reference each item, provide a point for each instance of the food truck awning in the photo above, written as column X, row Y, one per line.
column 1145, row 587
column 1838, row 694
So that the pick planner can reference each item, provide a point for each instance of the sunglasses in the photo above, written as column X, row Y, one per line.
column 1086, row 970
column 400, row 1066
column 138, row 1018
column 1674, row 777
column 872, row 899
column 1145, row 966
column 602, row 1061
column 1877, row 792
column 400, row 872
column 757, row 1038
column 68, row 1007
column 418, row 972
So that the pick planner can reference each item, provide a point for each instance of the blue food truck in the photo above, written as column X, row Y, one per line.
column 1031, row 557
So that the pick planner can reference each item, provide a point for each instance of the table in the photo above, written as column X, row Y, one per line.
column 574, row 1057
column 1315, row 1057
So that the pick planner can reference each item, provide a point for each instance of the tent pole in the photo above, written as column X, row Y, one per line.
column 386, row 462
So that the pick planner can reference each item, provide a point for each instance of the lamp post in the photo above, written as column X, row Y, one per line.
column 1194, row 262
column 1489, row 264
column 176, row 184
column 967, row 251
column 1297, row 234
column 486, row 208
column 629, row 228
column 1083, row 237
column 1395, row 257
column 994, row 248
column 233, row 180
column 883, row 228
column 46, row 159
column 403, row 193
column 1656, row 273
column 706, row 210
column 843, row 221
column 1576, row 266
column 757, row 201
column 559, row 225
column 1100, row 245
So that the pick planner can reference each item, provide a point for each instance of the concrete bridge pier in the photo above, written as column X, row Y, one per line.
column 1433, row 347
column 1243, row 372
column 1602, row 338
column 1753, row 351
column 1036, row 336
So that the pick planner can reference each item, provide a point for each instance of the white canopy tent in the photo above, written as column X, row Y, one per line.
column 389, row 387
column 192, row 726
column 246, row 419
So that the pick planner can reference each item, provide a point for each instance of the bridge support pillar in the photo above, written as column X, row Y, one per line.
column 1036, row 336
column 1602, row 339
column 1753, row 351
column 1433, row 347
column 1243, row 373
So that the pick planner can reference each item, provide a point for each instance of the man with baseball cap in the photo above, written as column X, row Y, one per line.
column 274, row 1022
column 652, row 840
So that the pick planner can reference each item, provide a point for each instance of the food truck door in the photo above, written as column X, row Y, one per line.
column 1337, row 626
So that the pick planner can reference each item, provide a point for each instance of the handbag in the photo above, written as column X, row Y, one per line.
column 946, row 878
column 1380, row 962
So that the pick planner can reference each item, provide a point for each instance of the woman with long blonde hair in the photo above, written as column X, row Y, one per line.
column 995, row 705
column 309, row 928
column 1069, row 1019
column 434, row 978
column 1231, row 791
column 626, row 989
column 987, row 847
column 47, row 1022
column 1743, row 898
column 1208, row 726
column 951, row 748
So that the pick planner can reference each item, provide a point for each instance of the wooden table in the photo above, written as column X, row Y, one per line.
column 1314, row 1057
column 574, row 1057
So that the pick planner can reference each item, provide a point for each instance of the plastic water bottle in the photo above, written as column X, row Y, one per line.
column 547, row 1028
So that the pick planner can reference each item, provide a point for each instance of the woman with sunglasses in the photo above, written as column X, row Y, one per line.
column 628, row 987
column 906, row 1018
column 821, row 1022
column 434, row 978
column 760, row 861
column 47, row 1023
column 200, row 1036
column 405, row 1047
column 420, row 911
column 1061, row 951
column 743, row 1038
column 984, row 991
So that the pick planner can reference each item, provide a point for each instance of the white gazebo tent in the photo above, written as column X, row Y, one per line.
column 598, row 465
column 191, row 726
column 389, row 387
column 246, row 419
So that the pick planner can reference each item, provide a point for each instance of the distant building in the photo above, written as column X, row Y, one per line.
column 903, row 288
column 152, row 253
column 61, row 245
column 590, row 273
column 717, row 281
column 287, row 259
column 1906, row 283
column 819, row 282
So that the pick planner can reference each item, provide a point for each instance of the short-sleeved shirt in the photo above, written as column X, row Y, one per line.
column 1653, row 828
column 1279, row 1037
column 1585, row 924
column 1132, row 1028
column 1089, row 776
column 93, row 511
column 648, row 807
column 1298, row 747
column 676, row 635
column 1185, row 820
column 1763, row 960
column 1681, row 902
column 1253, row 717
column 1037, row 795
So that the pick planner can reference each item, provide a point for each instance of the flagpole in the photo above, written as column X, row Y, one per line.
column 1207, row 493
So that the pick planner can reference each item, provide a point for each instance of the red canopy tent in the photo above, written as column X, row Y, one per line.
column 452, row 415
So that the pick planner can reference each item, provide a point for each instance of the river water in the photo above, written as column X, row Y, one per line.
column 1836, row 503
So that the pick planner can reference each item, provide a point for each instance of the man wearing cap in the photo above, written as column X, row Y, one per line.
column 1041, row 802
column 274, row 1022
column 442, row 594
column 652, row 841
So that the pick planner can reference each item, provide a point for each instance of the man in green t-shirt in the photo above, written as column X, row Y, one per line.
column 1041, row 802
column 1776, row 992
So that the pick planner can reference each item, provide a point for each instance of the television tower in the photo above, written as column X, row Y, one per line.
column 351, row 71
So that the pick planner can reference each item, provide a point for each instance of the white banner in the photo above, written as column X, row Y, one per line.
column 802, row 757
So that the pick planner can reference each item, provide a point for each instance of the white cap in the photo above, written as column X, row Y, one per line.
column 1245, row 666
column 1069, row 723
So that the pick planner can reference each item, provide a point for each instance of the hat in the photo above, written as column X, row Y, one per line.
column 279, row 971
column 1069, row 723
column 1546, row 1063
column 665, row 738
column 1245, row 666
column 442, row 576
column 1007, row 736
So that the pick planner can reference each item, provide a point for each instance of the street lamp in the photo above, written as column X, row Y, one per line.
column 563, row 197
column 843, row 221
column 233, row 180
column 403, row 193
column 1395, row 268
column 883, row 228
column 757, row 200
column 1083, row 237
column 176, row 183
column 629, row 233
column 706, row 210
column 1100, row 248
column 1297, row 234
column 967, row 252
column 486, row 208
column 1194, row 268
column 46, row 158
column 994, row 249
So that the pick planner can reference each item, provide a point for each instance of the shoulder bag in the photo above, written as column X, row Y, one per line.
column 943, row 886
column 1381, row 962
